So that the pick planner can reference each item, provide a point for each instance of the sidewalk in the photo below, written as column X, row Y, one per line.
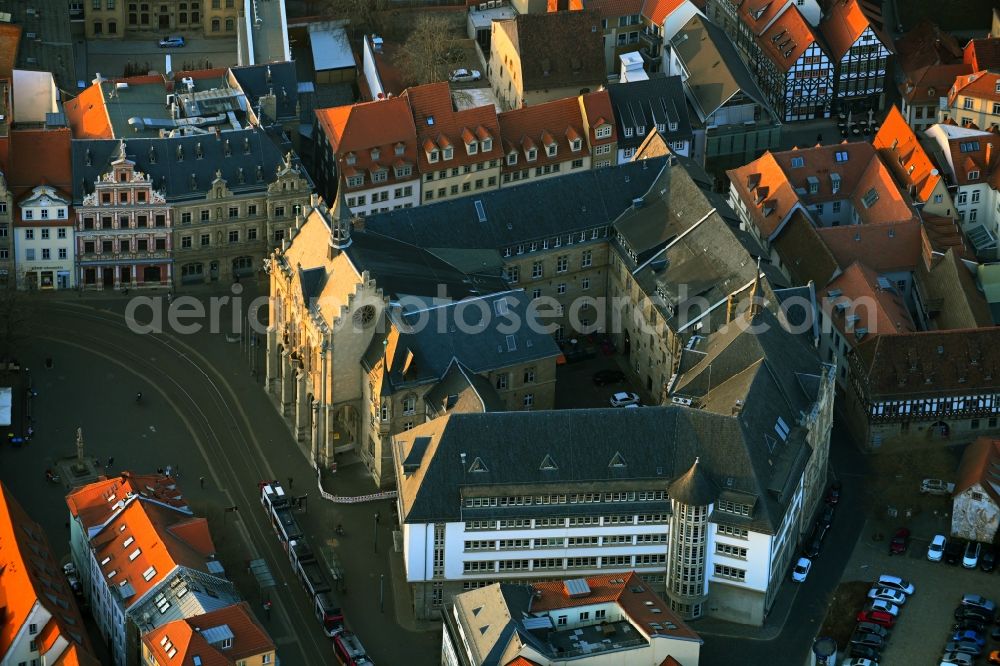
column 773, row 625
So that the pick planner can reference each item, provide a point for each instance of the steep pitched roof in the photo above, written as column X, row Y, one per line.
column 193, row 648
column 928, row 84
column 596, row 108
column 694, row 487
column 10, row 40
column 768, row 193
column 980, row 84
column 439, row 125
column 871, row 307
column 644, row 105
column 539, row 125
column 558, row 49
column 882, row 247
column 29, row 575
column 903, row 154
column 980, row 465
column 803, row 253
column 974, row 154
column 843, row 25
column 657, row 11
column 983, row 53
column 614, row 8
column 87, row 115
column 926, row 44
column 949, row 288
column 39, row 156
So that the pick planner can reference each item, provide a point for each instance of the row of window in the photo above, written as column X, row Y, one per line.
column 123, row 245
column 44, row 234
column 569, row 239
column 525, row 174
column 377, row 197
column 606, row 561
column 187, row 242
column 565, row 542
column 574, row 521
column 29, row 254
column 571, row 498
column 124, row 222
column 734, row 508
column 29, row 214
column 467, row 186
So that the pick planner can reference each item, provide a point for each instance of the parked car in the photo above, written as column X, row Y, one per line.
column 864, row 652
column 988, row 559
column 833, row 495
column 968, row 647
column 603, row 377
column 465, row 75
column 872, row 628
column 973, row 613
column 968, row 635
column 883, row 606
column 895, row 583
column 801, row 569
column 936, row 487
column 870, row 640
column 953, row 551
column 885, row 594
column 877, row 617
column 826, row 515
column 970, row 625
column 957, row 659
column 979, row 601
column 624, row 399
column 970, row 560
column 171, row 42
column 935, row 551
column 900, row 541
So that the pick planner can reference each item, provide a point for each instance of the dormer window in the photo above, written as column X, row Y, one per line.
column 356, row 181
column 575, row 145
column 628, row 132
column 673, row 127
column 604, row 131
column 973, row 175
column 404, row 171
column 472, row 148
column 448, row 153
column 400, row 149
column 512, row 159
column 380, row 175
column 641, row 130
column 432, row 155
column 551, row 149
column 532, row 154
column 660, row 127
column 997, row 89
column 376, row 153
column 350, row 159
column 487, row 145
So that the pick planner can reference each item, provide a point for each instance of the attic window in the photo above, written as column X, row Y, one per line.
column 782, row 429
column 400, row 149
column 870, row 198
column 432, row 156
column 532, row 154
column 487, row 145
column 430, row 120
column 511, row 343
column 548, row 463
column 603, row 132
column 969, row 146
column 478, row 466
column 973, row 175
column 447, row 153
column 376, row 153
column 617, row 460
column 512, row 158
column 841, row 155
column 551, row 149
column 472, row 148
column 148, row 574
column 575, row 145
column 351, row 159
column 500, row 306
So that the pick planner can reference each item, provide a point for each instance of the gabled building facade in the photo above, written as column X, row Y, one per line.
column 654, row 105
column 974, row 101
column 860, row 55
column 231, row 636
column 975, row 514
column 44, row 241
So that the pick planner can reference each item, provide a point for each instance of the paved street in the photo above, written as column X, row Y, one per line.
column 204, row 415
column 803, row 606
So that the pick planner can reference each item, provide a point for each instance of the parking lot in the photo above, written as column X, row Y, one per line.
column 110, row 57
column 575, row 388
column 925, row 620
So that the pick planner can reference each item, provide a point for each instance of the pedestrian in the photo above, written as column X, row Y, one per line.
column 201, row 481
column 111, row 461
column 377, row 516
column 170, row 297
column 290, row 483
column 267, row 608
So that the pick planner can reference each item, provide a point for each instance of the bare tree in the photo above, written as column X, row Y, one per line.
column 426, row 54
column 364, row 15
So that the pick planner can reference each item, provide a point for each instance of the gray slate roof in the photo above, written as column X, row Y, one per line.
column 469, row 332
column 695, row 487
column 462, row 390
column 159, row 158
column 657, row 445
column 645, row 104
column 533, row 211
column 277, row 78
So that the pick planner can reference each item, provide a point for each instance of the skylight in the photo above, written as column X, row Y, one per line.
column 969, row 146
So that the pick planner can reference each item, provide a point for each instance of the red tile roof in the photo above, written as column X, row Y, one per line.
column 40, row 157
column 983, row 53
column 29, row 575
column 979, row 85
column 562, row 49
column 902, row 153
column 558, row 122
column 521, row 661
column 10, row 41
column 250, row 639
column 928, row 85
column 842, row 26
column 793, row 35
column 658, row 10
column 87, row 115
column 767, row 192
column 976, row 154
column 980, row 462
column 628, row 591
column 614, row 8
column 385, row 126
column 871, row 309
column 884, row 248
column 926, row 45
column 438, row 123
column 929, row 364
column 597, row 111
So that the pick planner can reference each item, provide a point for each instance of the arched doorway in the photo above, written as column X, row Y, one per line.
column 940, row 429
column 345, row 429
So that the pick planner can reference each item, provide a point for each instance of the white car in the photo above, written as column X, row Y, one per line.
column 936, row 487
column 801, row 569
column 460, row 75
column 935, row 551
column 895, row 583
column 885, row 594
column 171, row 42
column 624, row 399
column 957, row 659
column 884, row 606
column 977, row 601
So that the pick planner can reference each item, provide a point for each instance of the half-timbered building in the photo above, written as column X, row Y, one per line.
column 860, row 54
column 783, row 54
